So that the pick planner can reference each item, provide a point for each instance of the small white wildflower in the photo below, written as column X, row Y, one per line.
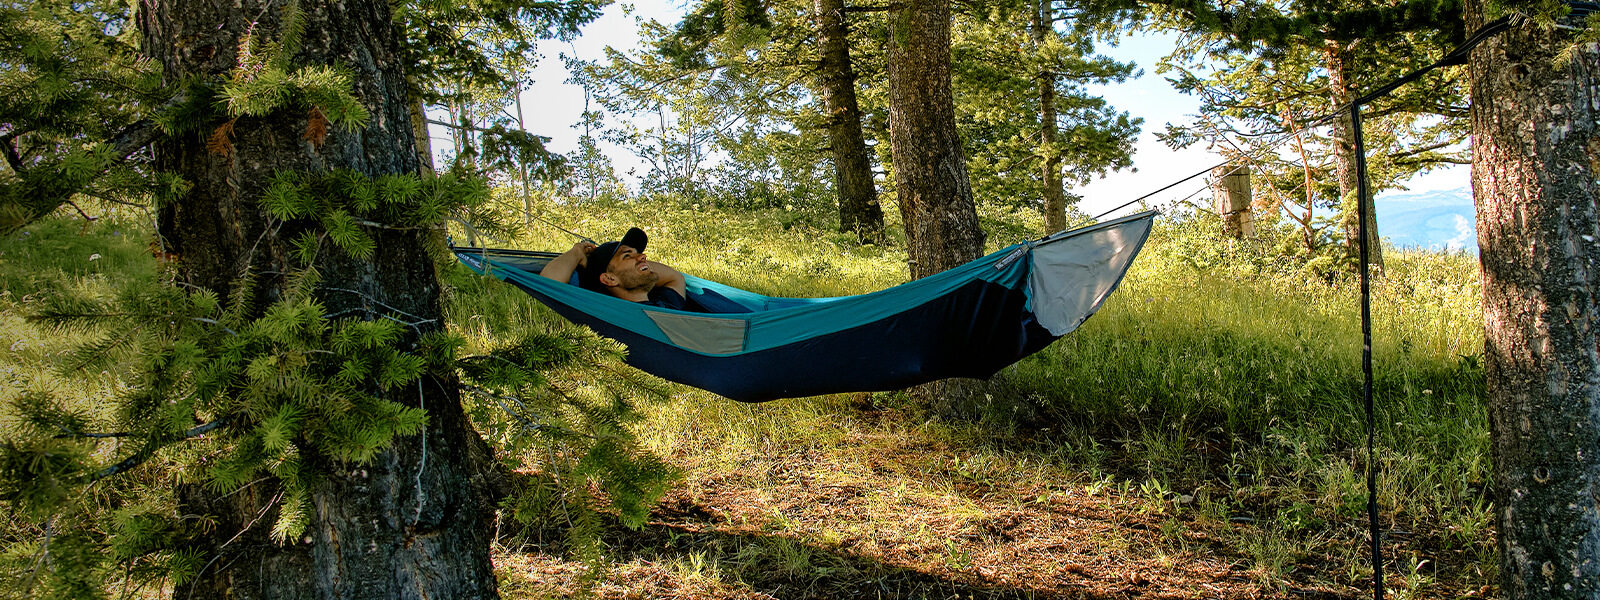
column 94, row 257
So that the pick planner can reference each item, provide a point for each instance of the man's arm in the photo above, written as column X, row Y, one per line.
column 670, row 277
column 563, row 266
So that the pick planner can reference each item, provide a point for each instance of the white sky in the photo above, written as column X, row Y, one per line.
column 553, row 107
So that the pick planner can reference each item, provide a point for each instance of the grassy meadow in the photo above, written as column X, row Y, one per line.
column 1203, row 436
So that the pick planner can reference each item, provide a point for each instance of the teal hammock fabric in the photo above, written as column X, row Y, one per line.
column 969, row 321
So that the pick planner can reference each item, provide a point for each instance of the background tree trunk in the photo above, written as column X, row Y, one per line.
column 859, row 210
column 1536, row 159
column 412, row 523
column 1055, row 195
column 1340, row 81
column 930, row 168
column 420, row 135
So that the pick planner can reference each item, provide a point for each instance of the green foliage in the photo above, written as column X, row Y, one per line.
column 50, row 465
column 70, row 79
column 264, row 81
column 219, row 392
column 454, row 42
column 473, row 60
column 997, row 72
column 1263, row 97
column 735, row 117
column 346, row 205
column 738, row 83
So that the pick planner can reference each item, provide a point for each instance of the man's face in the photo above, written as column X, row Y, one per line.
column 631, row 269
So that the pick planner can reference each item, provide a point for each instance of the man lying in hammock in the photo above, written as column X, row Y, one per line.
column 621, row 269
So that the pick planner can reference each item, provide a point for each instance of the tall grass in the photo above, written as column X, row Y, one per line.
column 1205, row 363
column 61, row 256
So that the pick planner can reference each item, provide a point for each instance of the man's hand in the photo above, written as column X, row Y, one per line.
column 582, row 249
column 575, row 258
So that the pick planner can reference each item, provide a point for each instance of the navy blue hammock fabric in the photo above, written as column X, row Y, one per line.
column 970, row 321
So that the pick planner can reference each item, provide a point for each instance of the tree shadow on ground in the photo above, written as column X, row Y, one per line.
column 692, row 550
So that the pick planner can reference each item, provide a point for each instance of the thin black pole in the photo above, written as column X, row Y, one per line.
column 1366, row 354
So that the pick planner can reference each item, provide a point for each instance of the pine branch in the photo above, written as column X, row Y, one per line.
column 44, row 553
column 867, row 9
column 74, row 434
column 135, row 137
column 366, row 223
column 81, row 212
column 460, row 126
column 13, row 159
column 152, row 446
column 1248, row 26
column 532, row 427
column 369, row 298
column 105, row 198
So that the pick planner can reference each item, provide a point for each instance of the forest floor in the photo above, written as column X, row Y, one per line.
column 882, row 509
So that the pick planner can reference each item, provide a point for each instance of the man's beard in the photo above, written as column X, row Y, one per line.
column 637, row 280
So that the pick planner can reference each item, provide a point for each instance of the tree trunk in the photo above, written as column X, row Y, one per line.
column 1055, row 195
column 930, row 168
column 525, row 178
column 1536, row 179
column 1230, row 189
column 420, row 135
column 859, row 210
column 1340, row 81
column 412, row 522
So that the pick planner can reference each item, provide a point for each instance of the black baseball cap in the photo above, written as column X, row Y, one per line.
column 589, row 275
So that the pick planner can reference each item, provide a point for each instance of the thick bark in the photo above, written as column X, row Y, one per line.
column 930, row 167
column 1055, row 194
column 419, row 134
column 1536, row 179
column 859, row 210
column 1340, row 81
column 412, row 522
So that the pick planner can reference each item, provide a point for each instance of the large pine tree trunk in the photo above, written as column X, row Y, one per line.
column 1341, row 75
column 1055, row 195
column 411, row 523
column 859, row 210
column 930, row 168
column 1536, row 179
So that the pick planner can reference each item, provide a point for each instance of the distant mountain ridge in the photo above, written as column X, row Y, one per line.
column 1432, row 220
